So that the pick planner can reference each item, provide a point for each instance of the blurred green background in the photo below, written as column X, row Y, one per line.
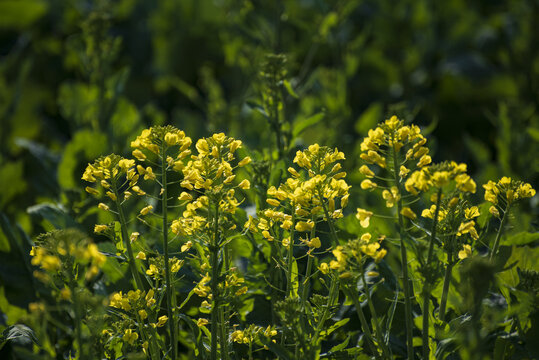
column 79, row 79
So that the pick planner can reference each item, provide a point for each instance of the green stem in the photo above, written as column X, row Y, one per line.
column 499, row 234
column 78, row 315
column 333, row 292
column 445, row 289
column 363, row 321
column 429, row 278
column 214, row 285
column 332, row 230
column 378, row 329
column 168, row 282
column 305, row 289
column 127, row 241
column 404, row 261
column 290, row 254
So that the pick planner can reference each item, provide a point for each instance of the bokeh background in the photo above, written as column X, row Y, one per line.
column 79, row 79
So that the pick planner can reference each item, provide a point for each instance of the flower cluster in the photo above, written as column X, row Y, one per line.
column 438, row 176
column 232, row 287
column 154, row 141
column 505, row 192
column 350, row 258
column 66, row 253
column 390, row 137
column 211, row 174
column 299, row 202
column 252, row 333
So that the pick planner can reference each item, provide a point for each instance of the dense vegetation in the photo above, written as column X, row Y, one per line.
column 269, row 179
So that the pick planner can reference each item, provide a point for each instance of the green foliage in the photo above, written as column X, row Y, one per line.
column 81, row 79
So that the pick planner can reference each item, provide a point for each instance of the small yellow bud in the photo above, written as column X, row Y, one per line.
column 103, row 207
column 134, row 236
column 245, row 161
column 141, row 255
column 245, row 184
column 146, row 210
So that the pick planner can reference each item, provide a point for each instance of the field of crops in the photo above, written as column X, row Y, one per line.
column 243, row 179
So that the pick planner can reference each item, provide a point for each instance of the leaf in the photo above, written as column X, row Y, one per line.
column 369, row 118
column 255, row 106
column 20, row 334
column 341, row 346
column 277, row 349
column 333, row 327
column 52, row 213
column 522, row 238
column 20, row 14
column 303, row 124
column 85, row 146
column 289, row 89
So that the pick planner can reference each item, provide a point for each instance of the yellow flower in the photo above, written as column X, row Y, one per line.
column 303, row 226
column 162, row 321
column 526, row 191
column 315, row 243
column 468, row 227
column 103, row 207
column 100, row 228
column 364, row 169
column 293, row 171
column 171, row 139
column 324, row 268
column 273, row 202
column 134, row 236
column 245, row 161
column 471, row 213
column 465, row 252
column 368, row 184
column 139, row 155
column 245, row 184
column 152, row 270
column 403, row 171
column 425, row 160
column 146, row 210
column 364, row 217
column 141, row 255
column 130, row 337
column 185, row 247
column 65, row 294
column 406, row 211
column 185, row 196
column 494, row 211
column 202, row 322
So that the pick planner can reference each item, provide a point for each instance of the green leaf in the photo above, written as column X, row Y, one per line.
column 19, row 333
column 277, row 349
column 333, row 327
column 303, row 124
column 369, row 118
column 85, row 146
column 289, row 89
column 341, row 346
column 11, row 173
column 522, row 238
column 19, row 14
column 52, row 213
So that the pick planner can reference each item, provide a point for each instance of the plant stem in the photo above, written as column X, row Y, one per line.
column 499, row 234
column 78, row 315
column 428, row 280
column 168, row 282
column 127, row 241
column 305, row 289
column 214, row 284
column 328, row 219
column 333, row 291
column 404, row 261
column 445, row 289
column 290, row 255
column 364, row 324
column 378, row 329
